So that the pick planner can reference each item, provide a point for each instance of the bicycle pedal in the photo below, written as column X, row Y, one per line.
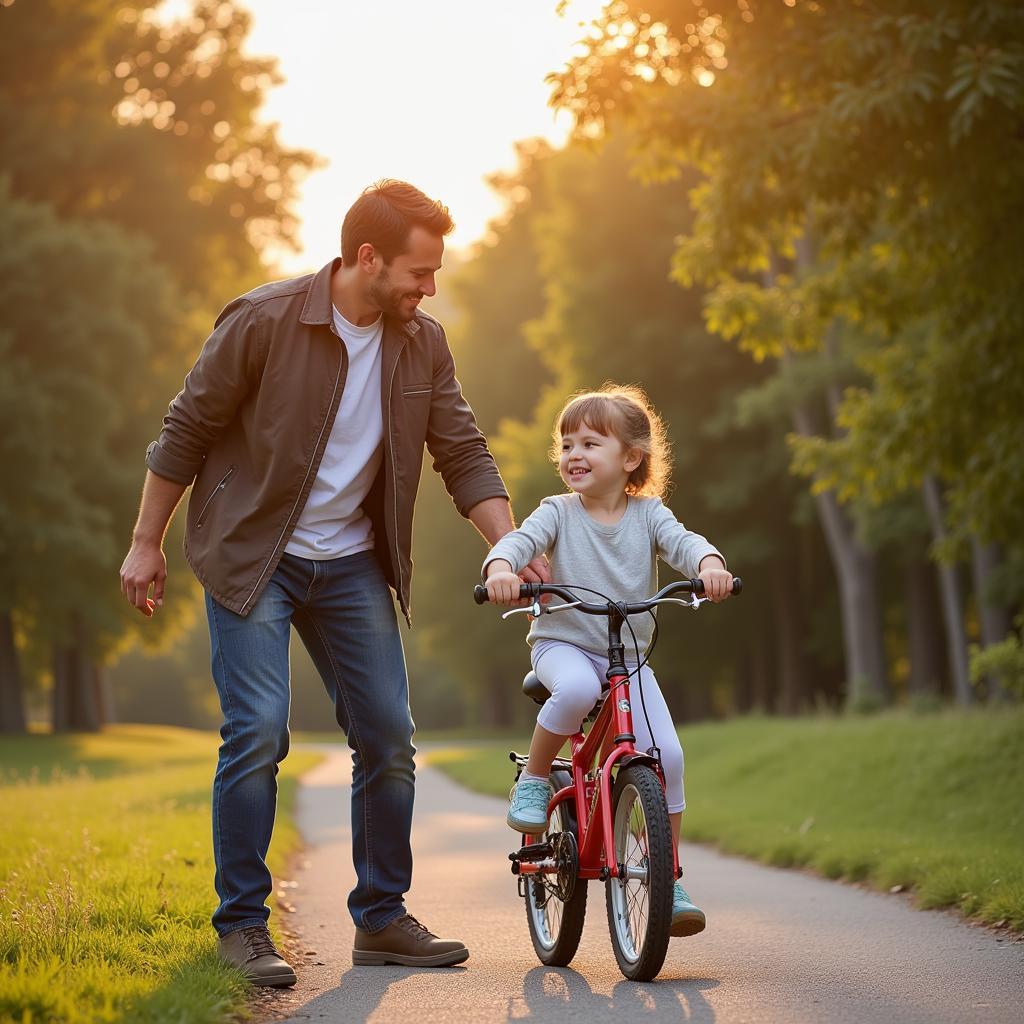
column 533, row 852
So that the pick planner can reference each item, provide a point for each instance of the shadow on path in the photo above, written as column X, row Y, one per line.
column 549, row 992
column 361, row 990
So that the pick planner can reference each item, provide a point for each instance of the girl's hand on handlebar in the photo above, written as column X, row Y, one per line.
column 503, row 588
column 717, row 580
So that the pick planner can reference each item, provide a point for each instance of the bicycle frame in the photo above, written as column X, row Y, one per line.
column 594, row 813
column 594, row 809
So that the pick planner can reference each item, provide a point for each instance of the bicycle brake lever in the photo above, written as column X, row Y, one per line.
column 534, row 609
column 537, row 609
column 692, row 602
column 517, row 611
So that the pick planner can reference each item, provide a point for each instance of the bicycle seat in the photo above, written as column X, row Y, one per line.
column 535, row 689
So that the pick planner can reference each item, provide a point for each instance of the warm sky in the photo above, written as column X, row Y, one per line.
column 432, row 92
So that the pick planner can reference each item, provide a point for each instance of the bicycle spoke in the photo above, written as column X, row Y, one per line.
column 553, row 915
column 545, row 907
column 633, row 846
column 637, row 900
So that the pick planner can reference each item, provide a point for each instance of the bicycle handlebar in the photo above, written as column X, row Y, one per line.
column 532, row 590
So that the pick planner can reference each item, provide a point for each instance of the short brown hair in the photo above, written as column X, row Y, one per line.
column 385, row 214
column 622, row 411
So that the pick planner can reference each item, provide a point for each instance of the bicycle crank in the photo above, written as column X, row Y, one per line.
column 553, row 864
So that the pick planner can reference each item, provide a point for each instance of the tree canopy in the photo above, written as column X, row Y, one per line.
column 871, row 155
column 140, row 188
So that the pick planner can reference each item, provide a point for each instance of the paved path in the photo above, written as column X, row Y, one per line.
column 780, row 945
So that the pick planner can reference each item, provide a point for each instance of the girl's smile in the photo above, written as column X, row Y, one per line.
column 594, row 464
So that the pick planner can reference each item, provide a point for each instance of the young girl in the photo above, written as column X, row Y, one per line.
column 606, row 534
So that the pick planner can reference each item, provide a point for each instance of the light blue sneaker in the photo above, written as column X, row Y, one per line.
column 687, row 918
column 528, row 812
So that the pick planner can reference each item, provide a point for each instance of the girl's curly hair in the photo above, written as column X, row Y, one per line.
column 622, row 411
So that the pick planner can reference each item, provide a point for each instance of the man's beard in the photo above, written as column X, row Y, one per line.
column 389, row 298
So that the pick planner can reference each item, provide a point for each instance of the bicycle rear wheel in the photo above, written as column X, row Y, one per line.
column 640, row 903
column 556, row 925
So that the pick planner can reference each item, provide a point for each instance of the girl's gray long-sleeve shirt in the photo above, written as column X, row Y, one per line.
column 620, row 561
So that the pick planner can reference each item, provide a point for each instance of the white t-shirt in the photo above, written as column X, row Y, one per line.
column 333, row 523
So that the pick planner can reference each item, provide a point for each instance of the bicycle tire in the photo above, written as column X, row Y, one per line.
column 640, row 910
column 556, row 927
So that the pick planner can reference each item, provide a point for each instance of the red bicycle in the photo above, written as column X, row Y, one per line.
column 608, row 797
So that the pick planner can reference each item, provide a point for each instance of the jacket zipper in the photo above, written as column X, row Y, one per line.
column 213, row 494
column 259, row 579
column 394, row 489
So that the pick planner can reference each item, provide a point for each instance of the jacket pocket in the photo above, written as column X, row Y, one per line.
column 213, row 494
column 416, row 390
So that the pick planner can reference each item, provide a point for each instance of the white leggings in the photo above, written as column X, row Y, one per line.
column 574, row 677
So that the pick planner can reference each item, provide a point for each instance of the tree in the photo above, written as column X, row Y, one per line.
column 108, row 112
column 87, row 309
column 141, row 189
column 596, row 244
column 874, row 151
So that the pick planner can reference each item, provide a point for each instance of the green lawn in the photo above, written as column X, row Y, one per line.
column 932, row 803
column 106, row 878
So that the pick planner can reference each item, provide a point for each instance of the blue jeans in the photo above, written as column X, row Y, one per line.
column 344, row 613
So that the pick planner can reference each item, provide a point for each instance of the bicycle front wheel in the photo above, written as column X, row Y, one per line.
column 556, row 925
column 640, row 901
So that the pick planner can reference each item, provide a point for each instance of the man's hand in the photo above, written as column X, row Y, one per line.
column 716, row 578
column 538, row 571
column 144, row 565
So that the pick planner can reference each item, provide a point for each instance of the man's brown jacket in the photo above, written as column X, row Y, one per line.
column 251, row 424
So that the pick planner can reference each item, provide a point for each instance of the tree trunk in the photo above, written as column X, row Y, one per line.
column 855, row 565
column 76, row 696
column 924, row 630
column 861, row 610
column 12, row 704
column 952, row 599
column 995, row 619
column 792, row 668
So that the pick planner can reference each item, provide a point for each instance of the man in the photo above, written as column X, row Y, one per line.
column 301, row 429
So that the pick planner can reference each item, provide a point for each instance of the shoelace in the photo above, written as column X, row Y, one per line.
column 414, row 928
column 531, row 793
column 258, row 942
column 681, row 895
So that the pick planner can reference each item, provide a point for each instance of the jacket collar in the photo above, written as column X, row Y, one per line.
column 317, row 309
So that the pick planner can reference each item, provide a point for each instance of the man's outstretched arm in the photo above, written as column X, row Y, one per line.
column 145, row 564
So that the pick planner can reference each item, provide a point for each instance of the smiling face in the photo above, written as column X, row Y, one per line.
column 397, row 287
column 595, row 464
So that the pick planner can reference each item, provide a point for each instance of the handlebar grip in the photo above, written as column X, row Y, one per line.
column 737, row 586
column 480, row 592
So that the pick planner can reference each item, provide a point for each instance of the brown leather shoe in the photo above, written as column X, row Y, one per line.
column 408, row 943
column 253, row 952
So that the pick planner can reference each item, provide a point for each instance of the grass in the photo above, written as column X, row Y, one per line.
column 106, row 878
column 933, row 804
